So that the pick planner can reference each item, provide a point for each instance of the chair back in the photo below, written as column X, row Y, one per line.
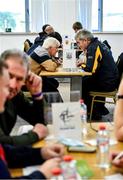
column 119, row 64
column 27, row 45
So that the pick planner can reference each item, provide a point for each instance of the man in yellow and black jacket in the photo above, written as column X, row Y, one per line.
column 100, row 62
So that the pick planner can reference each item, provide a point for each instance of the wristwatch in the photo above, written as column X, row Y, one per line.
column 119, row 96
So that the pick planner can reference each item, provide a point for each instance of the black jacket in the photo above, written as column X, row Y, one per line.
column 31, row 111
column 101, row 63
column 19, row 157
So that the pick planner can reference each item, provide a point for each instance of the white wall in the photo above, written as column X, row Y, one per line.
column 11, row 40
column 115, row 40
column 14, row 40
column 62, row 15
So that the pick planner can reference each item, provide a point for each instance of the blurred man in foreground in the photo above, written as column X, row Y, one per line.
column 18, row 157
column 18, row 104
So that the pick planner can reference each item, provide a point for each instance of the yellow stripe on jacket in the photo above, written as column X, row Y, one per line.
column 98, row 56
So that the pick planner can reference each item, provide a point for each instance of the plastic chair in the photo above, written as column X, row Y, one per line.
column 94, row 94
column 27, row 45
column 111, row 94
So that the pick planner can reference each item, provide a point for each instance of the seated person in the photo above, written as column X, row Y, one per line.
column 43, row 59
column 118, row 114
column 19, row 105
column 42, row 35
column 77, row 26
column 48, row 158
column 100, row 62
column 48, row 31
column 18, row 157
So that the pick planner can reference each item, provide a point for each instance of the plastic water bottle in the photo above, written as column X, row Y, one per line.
column 56, row 174
column 72, row 44
column 83, row 114
column 66, row 42
column 103, row 147
column 69, row 168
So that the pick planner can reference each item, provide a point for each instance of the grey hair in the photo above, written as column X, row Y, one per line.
column 83, row 33
column 14, row 53
column 2, row 66
column 50, row 42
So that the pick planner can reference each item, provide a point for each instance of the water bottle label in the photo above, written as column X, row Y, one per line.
column 103, row 145
column 82, row 112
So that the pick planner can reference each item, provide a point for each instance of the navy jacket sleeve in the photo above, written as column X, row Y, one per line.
column 34, row 175
column 5, row 174
column 94, row 56
column 18, row 157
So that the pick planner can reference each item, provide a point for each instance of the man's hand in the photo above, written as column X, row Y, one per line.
column 34, row 83
column 59, row 61
column 40, row 130
column 47, row 167
column 54, row 150
column 118, row 162
column 79, row 62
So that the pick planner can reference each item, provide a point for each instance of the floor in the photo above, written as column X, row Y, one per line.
column 64, row 90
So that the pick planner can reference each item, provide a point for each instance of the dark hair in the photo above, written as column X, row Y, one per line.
column 77, row 25
column 56, row 35
column 44, row 27
column 2, row 66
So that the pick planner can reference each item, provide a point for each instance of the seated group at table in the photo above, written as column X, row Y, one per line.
column 17, row 64
column 98, row 60
column 14, row 73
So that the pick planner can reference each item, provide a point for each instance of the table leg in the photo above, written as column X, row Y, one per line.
column 76, row 85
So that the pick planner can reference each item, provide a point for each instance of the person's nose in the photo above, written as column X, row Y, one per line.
column 13, row 83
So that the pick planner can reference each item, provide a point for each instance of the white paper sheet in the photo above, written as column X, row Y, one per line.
column 24, row 129
column 30, row 169
column 93, row 142
column 114, row 177
column 66, row 120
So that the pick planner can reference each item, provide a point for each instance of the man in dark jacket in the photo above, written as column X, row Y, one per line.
column 100, row 62
column 18, row 104
column 40, row 40
column 20, row 157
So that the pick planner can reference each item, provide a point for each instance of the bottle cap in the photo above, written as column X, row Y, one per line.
column 67, row 158
column 102, row 127
column 56, row 171
column 81, row 101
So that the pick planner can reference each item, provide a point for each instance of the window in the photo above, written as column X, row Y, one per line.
column 95, row 15
column 112, row 15
column 107, row 15
column 12, row 15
